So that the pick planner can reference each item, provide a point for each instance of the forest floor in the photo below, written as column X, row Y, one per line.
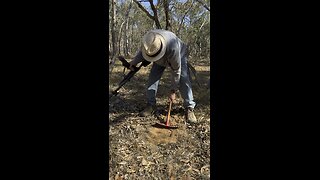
column 137, row 150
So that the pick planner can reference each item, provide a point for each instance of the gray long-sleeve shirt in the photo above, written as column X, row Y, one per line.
column 175, row 50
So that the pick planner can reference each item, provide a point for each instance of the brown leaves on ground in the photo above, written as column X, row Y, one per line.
column 139, row 151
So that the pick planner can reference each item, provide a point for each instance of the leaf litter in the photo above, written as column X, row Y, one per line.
column 139, row 151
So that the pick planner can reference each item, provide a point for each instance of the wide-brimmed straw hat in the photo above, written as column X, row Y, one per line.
column 153, row 46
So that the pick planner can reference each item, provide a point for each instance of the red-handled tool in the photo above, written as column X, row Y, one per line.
column 167, row 124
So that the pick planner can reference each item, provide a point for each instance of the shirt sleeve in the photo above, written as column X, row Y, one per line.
column 175, row 64
column 138, row 58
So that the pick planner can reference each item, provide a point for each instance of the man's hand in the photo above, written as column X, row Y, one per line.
column 172, row 97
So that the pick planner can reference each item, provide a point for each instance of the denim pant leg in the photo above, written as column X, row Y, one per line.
column 185, row 85
column 153, row 82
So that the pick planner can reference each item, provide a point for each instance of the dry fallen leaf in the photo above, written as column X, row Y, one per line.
column 122, row 163
column 118, row 177
column 186, row 177
column 131, row 171
column 144, row 162
column 205, row 169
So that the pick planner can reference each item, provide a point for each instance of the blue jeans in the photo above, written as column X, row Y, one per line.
column 185, row 84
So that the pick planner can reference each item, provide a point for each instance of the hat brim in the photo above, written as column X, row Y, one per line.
column 157, row 57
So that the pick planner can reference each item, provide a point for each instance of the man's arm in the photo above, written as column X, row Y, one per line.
column 137, row 59
column 175, row 64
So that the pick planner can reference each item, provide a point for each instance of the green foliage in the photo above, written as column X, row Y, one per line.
column 189, row 19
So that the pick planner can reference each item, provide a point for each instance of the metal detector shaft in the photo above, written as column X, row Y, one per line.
column 129, row 75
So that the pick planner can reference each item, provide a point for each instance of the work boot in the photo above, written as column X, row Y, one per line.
column 148, row 110
column 191, row 118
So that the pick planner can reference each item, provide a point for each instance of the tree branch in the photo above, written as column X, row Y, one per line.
column 203, row 4
column 185, row 14
column 154, row 17
column 155, row 14
column 143, row 9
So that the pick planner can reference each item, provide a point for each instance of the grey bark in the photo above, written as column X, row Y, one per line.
column 155, row 14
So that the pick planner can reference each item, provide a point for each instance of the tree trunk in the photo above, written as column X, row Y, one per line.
column 113, row 36
column 126, row 31
column 119, row 42
column 125, row 40
column 131, row 40
column 113, row 23
column 166, row 11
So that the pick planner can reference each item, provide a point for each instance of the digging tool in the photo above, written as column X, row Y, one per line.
column 167, row 123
